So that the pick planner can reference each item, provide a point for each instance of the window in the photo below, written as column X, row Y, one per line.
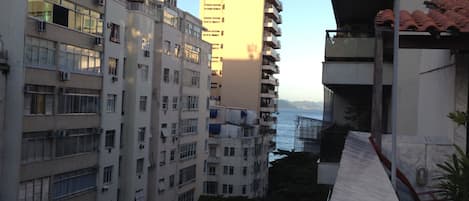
column 230, row 188
column 225, row 170
column 166, row 75
column 67, row 14
column 77, row 141
column 212, row 170
column 110, row 139
column 36, row 189
column 139, row 195
column 226, row 151
column 73, row 100
column 112, row 66
column 177, row 50
column 192, row 79
column 245, row 171
column 79, row 59
column 143, row 103
column 232, row 151
column 143, row 72
column 70, row 183
column 170, row 18
column 107, row 175
column 175, row 103
column 174, row 127
column 171, row 181
column 139, row 166
column 38, row 100
column 192, row 53
column 167, row 47
column 164, row 106
column 163, row 158
column 187, row 196
column 245, row 153
column 111, row 103
column 231, row 170
column 193, row 30
column 141, row 134
column 187, row 151
column 188, row 126
column 36, row 146
column 211, row 187
column 187, row 174
column 225, row 188
column 39, row 52
column 115, row 33
column 171, row 156
column 176, row 77
column 190, row 103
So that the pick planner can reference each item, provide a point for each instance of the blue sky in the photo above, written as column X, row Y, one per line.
column 302, row 53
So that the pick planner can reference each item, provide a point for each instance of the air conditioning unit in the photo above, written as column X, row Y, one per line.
column 146, row 53
column 114, row 78
column 64, row 76
column 41, row 26
column 101, row 2
column 105, row 188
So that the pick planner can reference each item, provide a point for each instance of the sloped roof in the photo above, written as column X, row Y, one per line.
column 443, row 16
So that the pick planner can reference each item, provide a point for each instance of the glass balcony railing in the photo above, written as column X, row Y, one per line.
column 346, row 45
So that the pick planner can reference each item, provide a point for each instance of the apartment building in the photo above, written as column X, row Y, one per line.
column 431, row 82
column 236, row 164
column 181, row 86
column 245, row 43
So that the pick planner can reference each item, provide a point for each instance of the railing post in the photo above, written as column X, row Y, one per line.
column 377, row 102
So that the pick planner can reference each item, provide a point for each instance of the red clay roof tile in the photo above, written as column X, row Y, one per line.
column 447, row 15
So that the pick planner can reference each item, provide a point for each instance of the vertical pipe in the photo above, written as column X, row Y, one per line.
column 394, row 92
column 377, row 96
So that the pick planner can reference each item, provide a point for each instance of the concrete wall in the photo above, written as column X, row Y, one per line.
column 116, row 13
column 12, row 32
column 139, row 27
column 353, row 73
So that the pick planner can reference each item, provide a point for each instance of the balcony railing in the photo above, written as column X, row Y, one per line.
column 272, row 26
column 272, row 40
column 271, row 54
column 346, row 45
column 269, row 80
column 271, row 11
column 272, row 68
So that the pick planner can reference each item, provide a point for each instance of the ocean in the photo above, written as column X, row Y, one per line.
column 286, row 124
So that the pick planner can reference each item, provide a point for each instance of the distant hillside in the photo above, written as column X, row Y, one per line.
column 304, row 105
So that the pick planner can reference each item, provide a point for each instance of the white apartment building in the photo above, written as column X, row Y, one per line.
column 181, row 86
column 237, row 164
column 77, row 89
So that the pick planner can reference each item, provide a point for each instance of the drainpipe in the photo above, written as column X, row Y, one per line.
column 394, row 92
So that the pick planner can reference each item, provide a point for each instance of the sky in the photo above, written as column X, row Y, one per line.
column 302, row 51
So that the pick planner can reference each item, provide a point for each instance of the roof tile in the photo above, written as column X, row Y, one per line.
column 446, row 15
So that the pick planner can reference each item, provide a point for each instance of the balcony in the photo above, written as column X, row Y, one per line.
column 276, row 3
column 271, row 11
column 271, row 40
column 268, row 121
column 269, row 94
column 272, row 26
column 271, row 69
column 268, row 108
column 349, row 46
column 270, row 80
column 271, row 54
column 353, row 73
